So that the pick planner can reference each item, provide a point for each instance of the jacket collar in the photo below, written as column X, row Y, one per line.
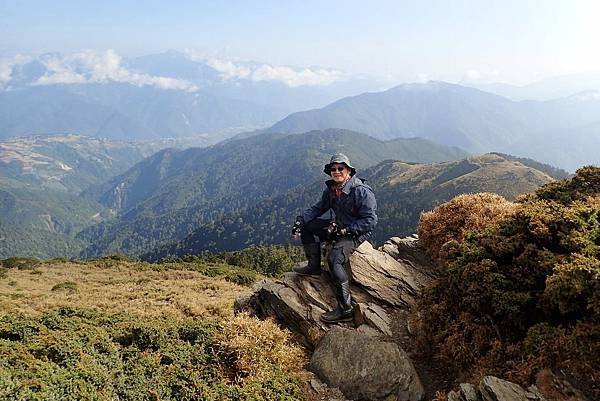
column 352, row 182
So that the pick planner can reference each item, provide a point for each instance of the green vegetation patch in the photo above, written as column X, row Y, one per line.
column 69, row 286
column 270, row 260
column 76, row 354
column 522, row 293
column 20, row 263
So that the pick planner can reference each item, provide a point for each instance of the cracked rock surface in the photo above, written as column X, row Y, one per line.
column 384, row 280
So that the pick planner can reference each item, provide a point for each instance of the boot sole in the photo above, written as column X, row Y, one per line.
column 342, row 320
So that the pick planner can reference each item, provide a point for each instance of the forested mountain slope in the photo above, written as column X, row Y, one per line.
column 40, row 181
column 167, row 196
column 43, row 223
column 402, row 189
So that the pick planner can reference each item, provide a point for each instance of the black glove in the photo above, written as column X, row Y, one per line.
column 297, row 227
column 335, row 232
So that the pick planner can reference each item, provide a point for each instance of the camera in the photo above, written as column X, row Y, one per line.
column 332, row 229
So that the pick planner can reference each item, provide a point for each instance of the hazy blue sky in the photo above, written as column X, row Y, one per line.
column 510, row 41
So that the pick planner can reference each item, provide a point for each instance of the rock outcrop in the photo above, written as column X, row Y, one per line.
column 490, row 388
column 494, row 389
column 365, row 363
column 384, row 280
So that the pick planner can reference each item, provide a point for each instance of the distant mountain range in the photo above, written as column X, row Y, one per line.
column 172, row 94
column 403, row 191
column 175, row 95
column 80, row 195
column 469, row 118
column 547, row 88
column 170, row 194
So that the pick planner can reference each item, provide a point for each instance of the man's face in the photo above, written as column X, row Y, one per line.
column 339, row 172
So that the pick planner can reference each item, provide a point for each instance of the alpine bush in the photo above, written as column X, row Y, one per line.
column 79, row 354
column 523, row 293
column 270, row 260
column 20, row 263
column 452, row 220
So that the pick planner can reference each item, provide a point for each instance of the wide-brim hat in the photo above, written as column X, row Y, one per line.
column 339, row 158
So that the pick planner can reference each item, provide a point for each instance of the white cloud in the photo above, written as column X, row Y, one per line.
column 292, row 77
column 5, row 71
column 6, row 66
column 228, row 70
column 92, row 66
column 100, row 66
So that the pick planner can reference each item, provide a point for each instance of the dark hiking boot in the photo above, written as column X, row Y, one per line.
column 338, row 315
column 344, row 312
column 313, row 256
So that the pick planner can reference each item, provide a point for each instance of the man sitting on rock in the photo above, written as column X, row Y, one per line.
column 354, row 206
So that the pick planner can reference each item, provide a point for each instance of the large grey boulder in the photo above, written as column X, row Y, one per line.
column 364, row 367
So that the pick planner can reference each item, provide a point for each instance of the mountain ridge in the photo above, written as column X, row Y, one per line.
column 210, row 182
column 403, row 190
column 461, row 116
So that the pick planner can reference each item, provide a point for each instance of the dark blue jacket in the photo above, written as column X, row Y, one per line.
column 355, row 209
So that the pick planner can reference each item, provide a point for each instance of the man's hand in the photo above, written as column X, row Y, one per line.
column 335, row 232
column 297, row 227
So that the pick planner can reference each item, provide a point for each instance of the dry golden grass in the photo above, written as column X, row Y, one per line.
column 254, row 346
column 115, row 287
column 452, row 220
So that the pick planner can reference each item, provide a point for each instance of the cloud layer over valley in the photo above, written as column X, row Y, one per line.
column 103, row 66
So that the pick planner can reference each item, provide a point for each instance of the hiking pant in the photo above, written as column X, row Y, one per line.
column 340, row 251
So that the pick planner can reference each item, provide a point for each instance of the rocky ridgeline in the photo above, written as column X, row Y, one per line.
column 364, row 359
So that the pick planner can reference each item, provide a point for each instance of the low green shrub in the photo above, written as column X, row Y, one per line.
column 120, row 257
column 270, row 260
column 242, row 277
column 79, row 354
column 57, row 260
column 20, row 263
column 69, row 286
column 233, row 274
